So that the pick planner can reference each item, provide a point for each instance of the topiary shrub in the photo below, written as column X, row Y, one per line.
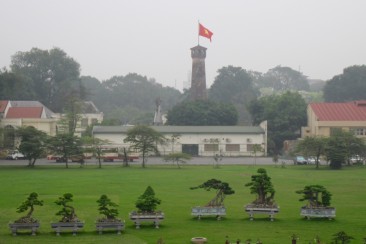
column 31, row 201
column 107, row 209
column 261, row 185
column 316, row 195
column 147, row 202
column 222, row 190
column 67, row 212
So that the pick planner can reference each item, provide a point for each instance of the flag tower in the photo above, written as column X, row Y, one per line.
column 198, row 54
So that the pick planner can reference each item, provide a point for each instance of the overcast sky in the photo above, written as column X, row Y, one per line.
column 153, row 38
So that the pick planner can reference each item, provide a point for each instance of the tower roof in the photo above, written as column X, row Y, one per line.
column 198, row 47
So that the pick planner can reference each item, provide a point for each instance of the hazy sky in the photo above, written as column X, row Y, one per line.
column 153, row 37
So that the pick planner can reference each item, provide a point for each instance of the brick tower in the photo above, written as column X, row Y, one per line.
column 198, row 82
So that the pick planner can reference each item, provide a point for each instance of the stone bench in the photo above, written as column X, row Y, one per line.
column 209, row 211
column 252, row 209
column 156, row 218
column 73, row 226
column 15, row 227
column 327, row 212
column 118, row 226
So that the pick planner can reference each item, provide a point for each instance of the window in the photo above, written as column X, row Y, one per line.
column 232, row 147
column 250, row 147
column 359, row 131
column 84, row 123
column 211, row 147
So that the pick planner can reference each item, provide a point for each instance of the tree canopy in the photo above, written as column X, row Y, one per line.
column 341, row 145
column 312, row 146
column 15, row 86
column 32, row 144
column 285, row 78
column 234, row 85
column 285, row 114
column 202, row 112
column 51, row 74
column 144, row 139
column 130, row 98
column 349, row 86
column 66, row 145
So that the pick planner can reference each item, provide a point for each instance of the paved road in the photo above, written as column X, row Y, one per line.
column 159, row 160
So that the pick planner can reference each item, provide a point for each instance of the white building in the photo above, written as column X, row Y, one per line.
column 198, row 140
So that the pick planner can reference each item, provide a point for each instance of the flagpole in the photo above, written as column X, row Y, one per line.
column 198, row 36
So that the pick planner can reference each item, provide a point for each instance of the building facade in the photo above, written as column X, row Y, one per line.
column 324, row 118
column 231, row 141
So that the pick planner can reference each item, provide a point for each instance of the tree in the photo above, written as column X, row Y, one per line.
column 66, row 145
column 147, row 202
column 234, row 85
column 283, row 79
column 15, row 87
column 129, row 99
column 73, row 110
column 349, row 86
column 222, row 190
column 177, row 158
column 67, row 212
column 95, row 146
column 316, row 195
column 107, row 208
column 256, row 148
column 285, row 114
column 261, row 186
column 341, row 146
column 51, row 73
column 145, row 140
column 32, row 144
column 312, row 146
column 31, row 201
column 202, row 112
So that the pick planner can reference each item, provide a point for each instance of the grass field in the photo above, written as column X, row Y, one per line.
column 171, row 185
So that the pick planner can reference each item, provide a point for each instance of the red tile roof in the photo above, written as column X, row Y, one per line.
column 24, row 112
column 349, row 111
column 3, row 104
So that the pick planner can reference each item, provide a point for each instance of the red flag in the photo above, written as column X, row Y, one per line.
column 203, row 31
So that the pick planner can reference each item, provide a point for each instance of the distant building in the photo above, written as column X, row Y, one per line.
column 231, row 141
column 15, row 114
column 90, row 115
column 324, row 118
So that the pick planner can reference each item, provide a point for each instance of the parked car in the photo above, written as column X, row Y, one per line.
column 300, row 160
column 53, row 157
column 311, row 160
column 356, row 159
column 77, row 158
column 15, row 155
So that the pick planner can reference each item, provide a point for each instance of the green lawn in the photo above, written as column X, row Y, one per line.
column 171, row 185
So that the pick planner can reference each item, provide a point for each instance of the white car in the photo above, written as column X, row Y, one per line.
column 356, row 159
column 311, row 160
column 15, row 155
